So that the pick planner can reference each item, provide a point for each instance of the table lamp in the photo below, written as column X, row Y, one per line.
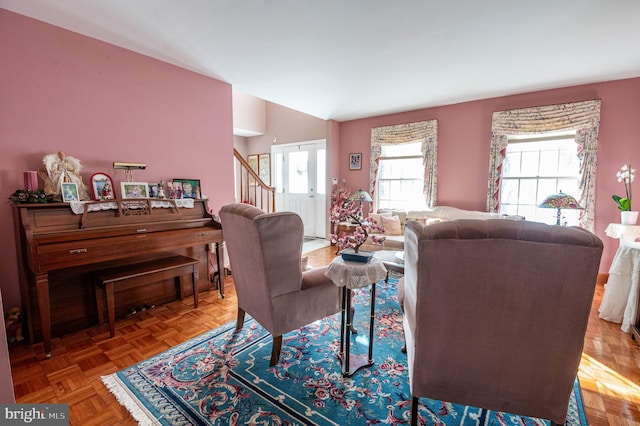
column 559, row 201
column 363, row 197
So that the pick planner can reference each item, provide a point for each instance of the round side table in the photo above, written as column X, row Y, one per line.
column 350, row 276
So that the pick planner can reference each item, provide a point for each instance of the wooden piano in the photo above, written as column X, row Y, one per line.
column 59, row 250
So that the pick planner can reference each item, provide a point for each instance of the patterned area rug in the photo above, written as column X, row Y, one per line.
column 223, row 378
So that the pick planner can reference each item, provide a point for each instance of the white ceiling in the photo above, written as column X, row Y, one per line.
column 347, row 59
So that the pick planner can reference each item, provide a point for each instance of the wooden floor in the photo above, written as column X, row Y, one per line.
column 609, row 373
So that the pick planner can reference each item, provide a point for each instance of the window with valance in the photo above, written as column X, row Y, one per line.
column 583, row 117
column 424, row 132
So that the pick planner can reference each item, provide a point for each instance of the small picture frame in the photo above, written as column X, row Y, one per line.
column 187, row 188
column 69, row 192
column 102, row 187
column 355, row 161
column 134, row 190
column 154, row 190
column 254, row 164
column 264, row 168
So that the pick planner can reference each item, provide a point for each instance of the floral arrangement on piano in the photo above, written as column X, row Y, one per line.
column 28, row 196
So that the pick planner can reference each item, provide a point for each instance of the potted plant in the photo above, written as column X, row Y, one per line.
column 626, row 176
column 346, row 208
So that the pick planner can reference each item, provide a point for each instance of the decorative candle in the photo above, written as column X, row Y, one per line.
column 31, row 180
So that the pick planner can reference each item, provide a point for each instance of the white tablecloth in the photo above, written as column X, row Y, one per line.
column 78, row 206
column 620, row 300
column 355, row 274
column 623, row 232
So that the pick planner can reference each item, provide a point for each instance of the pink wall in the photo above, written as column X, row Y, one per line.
column 464, row 132
column 100, row 103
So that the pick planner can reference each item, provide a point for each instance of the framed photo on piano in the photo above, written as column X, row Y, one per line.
column 69, row 192
column 102, row 187
column 134, row 190
column 189, row 188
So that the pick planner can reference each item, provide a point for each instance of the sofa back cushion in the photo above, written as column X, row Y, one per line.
column 391, row 225
column 377, row 216
column 402, row 215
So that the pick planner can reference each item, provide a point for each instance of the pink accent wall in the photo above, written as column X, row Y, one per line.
column 464, row 134
column 62, row 91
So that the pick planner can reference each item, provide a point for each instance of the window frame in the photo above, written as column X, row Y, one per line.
column 419, row 180
column 524, row 208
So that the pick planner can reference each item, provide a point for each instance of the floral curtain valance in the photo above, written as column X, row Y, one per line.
column 584, row 117
column 424, row 131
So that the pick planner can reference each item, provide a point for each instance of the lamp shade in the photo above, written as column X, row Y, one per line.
column 560, row 201
column 362, row 196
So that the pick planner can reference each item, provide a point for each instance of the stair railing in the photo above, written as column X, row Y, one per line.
column 250, row 188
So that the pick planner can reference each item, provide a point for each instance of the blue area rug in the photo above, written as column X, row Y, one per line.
column 223, row 377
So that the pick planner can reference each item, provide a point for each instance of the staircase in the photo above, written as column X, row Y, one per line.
column 250, row 188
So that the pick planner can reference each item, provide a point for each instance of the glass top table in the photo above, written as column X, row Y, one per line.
column 393, row 260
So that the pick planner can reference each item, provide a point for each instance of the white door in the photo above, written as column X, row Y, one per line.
column 300, row 174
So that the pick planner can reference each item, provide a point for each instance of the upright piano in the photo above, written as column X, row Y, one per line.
column 60, row 247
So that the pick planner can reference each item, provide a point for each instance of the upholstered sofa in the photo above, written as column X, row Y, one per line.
column 395, row 220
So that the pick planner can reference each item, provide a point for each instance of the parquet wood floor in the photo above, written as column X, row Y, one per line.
column 609, row 373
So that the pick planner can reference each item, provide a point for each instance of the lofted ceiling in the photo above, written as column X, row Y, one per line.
column 348, row 59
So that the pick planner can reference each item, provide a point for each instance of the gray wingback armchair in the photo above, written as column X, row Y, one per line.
column 495, row 313
column 265, row 251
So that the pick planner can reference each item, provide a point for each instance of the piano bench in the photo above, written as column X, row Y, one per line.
column 109, row 281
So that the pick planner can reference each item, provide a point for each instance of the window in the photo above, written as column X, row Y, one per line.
column 277, row 171
column 298, row 172
column 401, row 180
column 321, row 171
column 401, row 177
column 538, row 166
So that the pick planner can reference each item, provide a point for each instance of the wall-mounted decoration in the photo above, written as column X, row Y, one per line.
column 355, row 161
column 253, row 163
column 102, row 187
column 264, row 168
column 69, row 191
column 134, row 189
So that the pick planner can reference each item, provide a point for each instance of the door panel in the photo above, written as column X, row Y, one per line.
column 297, row 177
column 299, row 192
